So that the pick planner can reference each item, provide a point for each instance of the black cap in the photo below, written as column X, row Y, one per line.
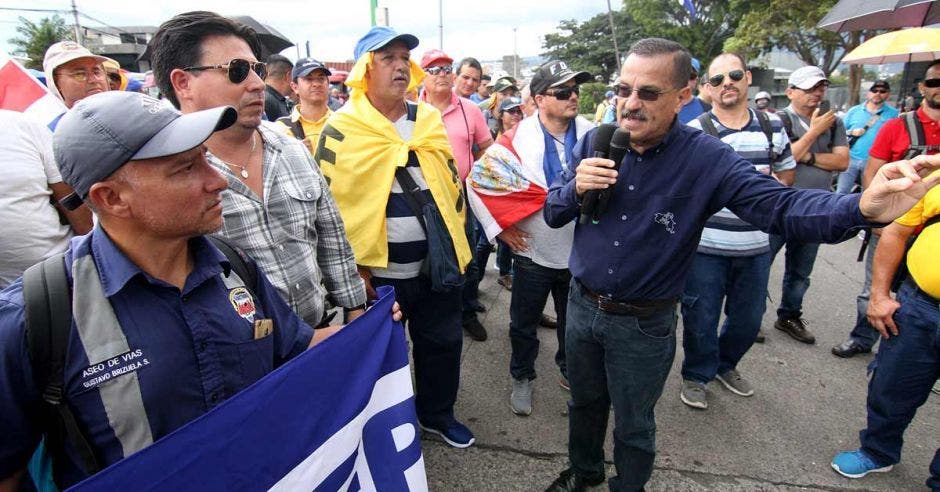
column 553, row 74
column 880, row 83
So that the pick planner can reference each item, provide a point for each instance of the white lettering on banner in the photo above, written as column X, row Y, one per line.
column 329, row 464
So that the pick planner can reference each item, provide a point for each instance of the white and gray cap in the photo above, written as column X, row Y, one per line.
column 806, row 77
column 104, row 131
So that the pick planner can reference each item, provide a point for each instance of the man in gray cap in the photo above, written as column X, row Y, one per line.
column 820, row 147
column 180, row 330
column 278, row 208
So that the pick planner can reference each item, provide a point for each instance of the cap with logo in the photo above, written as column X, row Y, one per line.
column 504, row 83
column 103, row 132
column 304, row 66
column 432, row 57
column 509, row 103
column 806, row 77
column 379, row 36
column 880, row 84
column 553, row 74
column 762, row 95
column 63, row 52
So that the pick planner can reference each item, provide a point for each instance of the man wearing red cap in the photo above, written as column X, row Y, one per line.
column 469, row 137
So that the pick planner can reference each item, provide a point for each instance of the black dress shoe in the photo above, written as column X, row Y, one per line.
column 849, row 348
column 475, row 329
column 547, row 321
column 569, row 481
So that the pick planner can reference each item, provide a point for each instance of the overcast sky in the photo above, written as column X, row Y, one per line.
column 480, row 28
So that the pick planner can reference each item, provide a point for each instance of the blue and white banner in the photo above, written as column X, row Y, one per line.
column 340, row 416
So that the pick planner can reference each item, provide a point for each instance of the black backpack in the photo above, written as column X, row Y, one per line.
column 47, row 297
column 705, row 119
column 788, row 124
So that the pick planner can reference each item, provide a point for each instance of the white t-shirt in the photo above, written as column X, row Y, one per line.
column 548, row 247
column 30, row 224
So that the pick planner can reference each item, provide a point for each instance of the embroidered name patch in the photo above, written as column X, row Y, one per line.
column 116, row 366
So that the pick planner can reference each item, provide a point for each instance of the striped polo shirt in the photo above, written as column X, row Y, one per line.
column 725, row 234
column 407, row 243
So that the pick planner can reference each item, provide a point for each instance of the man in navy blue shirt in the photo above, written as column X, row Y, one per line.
column 163, row 329
column 629, row 269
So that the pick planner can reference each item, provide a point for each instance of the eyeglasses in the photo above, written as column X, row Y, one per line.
column 446, row 70
column 237, row 69
column 82, row 76
column 883, row 91
column 717, row 79
column 515, row 111
column 563, row 93
column 649, row 95
column 932, row 83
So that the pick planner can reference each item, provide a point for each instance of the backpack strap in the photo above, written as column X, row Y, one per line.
column 787, row 124
column 768, row 130
column 705, row 119
column 295, row 127
column 242, row 265
column 47, row 298
column 915, row 132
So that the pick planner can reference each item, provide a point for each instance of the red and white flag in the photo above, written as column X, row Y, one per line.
column 21, row 92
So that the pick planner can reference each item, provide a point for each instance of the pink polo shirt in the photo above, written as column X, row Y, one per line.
column 465, row 126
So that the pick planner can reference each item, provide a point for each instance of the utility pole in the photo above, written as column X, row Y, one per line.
column 613, row 34
column 515, row 54
column 440, row 25
column 78, row 29
column 373, row 5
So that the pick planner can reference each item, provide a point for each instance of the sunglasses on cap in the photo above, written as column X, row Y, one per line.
column 446, row 69
column 237, row 69
column 563, row 93
column 932, row 83
column 649, row 95
column 718, row 78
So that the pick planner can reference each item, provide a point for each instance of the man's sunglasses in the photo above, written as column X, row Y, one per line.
column 649, row 95
column 563, row 93
column 718, row 78
column 932, row 83
column 446, row 70
column 237, row 69
column 882, row 91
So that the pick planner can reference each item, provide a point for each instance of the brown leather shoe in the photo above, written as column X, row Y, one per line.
column 505, row 281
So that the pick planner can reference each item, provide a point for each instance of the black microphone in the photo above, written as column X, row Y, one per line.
column 601, row 147
column 618, row 149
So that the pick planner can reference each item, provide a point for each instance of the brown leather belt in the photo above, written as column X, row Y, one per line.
column 638, row 308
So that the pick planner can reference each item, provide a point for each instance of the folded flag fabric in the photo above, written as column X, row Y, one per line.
column 499, row 191
column 340, row 416
column 20, row 91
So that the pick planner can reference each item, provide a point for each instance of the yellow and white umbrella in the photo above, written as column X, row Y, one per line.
column 907, row 45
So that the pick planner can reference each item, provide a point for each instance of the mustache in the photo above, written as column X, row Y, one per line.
column 634, row 115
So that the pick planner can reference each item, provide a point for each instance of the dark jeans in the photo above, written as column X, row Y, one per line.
column 474, row 274
column 799, row 258
column 742, row 280
column 619, row 359
column 503, row 255
column 437, row 338
column 531, row 285
column 863, row 333
column 902, row 374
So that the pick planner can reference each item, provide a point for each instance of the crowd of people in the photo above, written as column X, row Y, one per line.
column 216, row 234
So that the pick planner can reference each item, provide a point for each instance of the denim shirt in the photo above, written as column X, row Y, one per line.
column 643, row 245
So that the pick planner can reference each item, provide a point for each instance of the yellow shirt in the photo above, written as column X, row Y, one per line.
column 923, row 260
column 312, row 129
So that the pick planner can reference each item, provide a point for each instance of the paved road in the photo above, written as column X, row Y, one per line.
column 808, row 405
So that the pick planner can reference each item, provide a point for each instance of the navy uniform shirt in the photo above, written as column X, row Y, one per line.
column 195, row 349
column 643, row 246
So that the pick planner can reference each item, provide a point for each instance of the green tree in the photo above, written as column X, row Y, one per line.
column 588, row 45
column 35, row 38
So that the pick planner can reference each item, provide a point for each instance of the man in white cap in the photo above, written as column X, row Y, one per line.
column 74, row 73
column 762, row 102
column 820, row 147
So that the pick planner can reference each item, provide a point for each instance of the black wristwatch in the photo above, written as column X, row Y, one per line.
column 812, row 159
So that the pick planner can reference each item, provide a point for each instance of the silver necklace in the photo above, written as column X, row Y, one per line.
column 251, row 152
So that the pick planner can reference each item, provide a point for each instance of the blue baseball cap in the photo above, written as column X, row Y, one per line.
column 306, row 65
column 378, row 37
column 696, row 65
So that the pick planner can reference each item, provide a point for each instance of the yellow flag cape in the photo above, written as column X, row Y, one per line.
column 358, row 153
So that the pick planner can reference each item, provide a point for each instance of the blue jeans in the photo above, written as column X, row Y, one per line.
column 851, row 176
column 619, row 359
column 863, row 333
column 530, row 288
column 434, row 324
column 712, row 279
column 902, row 374
column 503, row 255
column 799, row 258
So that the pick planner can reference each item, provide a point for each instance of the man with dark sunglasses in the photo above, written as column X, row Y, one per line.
column 820, row 147
column 732, row 263
column 695, row 105
column 278, row 207
column 543, row 146
column 469, row 137
column 863, row 123
column 630, row 268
